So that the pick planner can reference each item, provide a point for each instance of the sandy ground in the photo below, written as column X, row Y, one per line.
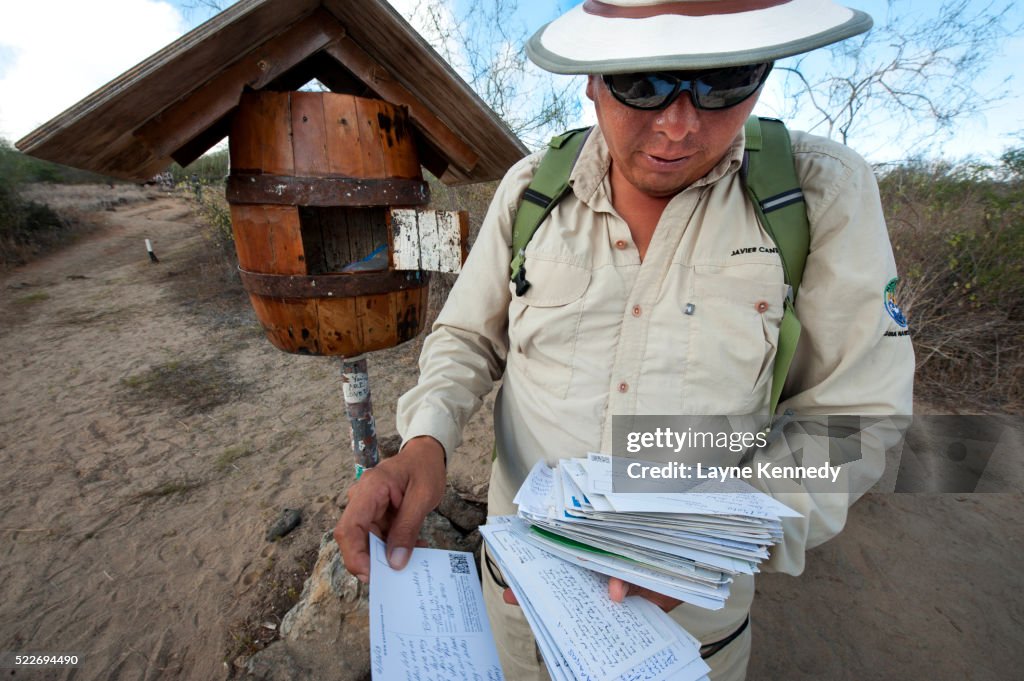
column 916, row 587
column 149, row 436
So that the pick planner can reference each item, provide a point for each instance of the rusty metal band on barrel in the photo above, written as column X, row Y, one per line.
column 330, row 285
column 325, row 191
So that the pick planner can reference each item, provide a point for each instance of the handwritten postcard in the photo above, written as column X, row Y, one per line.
column 427, row 621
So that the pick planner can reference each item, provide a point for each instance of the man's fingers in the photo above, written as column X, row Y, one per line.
column 666, row 603
column 509, row 597
column 367, row 508
column 392, row 498
column 404, row 536
column 354, row 553
column 405, row 528
column 618, row 590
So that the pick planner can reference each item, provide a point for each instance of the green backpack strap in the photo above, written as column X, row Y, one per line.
column 774, row 190
column 550, row 184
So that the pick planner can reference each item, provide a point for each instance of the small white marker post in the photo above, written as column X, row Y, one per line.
column 149, row 249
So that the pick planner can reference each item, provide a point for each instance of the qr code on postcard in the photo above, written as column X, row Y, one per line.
column 459, row 563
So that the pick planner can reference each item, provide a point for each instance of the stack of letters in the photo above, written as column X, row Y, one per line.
column 687, row 545
column 572, row 532
column 580, row 632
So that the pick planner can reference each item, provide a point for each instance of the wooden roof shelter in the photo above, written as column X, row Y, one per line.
column 178, row 103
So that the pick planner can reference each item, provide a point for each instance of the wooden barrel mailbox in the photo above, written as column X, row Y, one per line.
column 314, row 176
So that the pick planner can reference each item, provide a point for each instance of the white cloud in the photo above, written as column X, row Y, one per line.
column 55, row 52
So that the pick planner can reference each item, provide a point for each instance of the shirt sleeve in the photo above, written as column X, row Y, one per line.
column 854, row 356
column 465, row 352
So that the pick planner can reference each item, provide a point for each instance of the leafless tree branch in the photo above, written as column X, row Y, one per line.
column 485, row 46
column 921, row 74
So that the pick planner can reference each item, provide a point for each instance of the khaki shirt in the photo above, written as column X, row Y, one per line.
column 600, row 334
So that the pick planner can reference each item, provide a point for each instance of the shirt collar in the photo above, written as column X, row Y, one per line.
column 592, row 166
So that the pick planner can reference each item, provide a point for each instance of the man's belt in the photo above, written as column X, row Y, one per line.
column 712, row 648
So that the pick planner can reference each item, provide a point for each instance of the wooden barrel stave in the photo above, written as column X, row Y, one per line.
column 268, row 238
column 309, row 135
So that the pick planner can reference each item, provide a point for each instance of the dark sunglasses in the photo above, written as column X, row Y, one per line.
column 714, row 89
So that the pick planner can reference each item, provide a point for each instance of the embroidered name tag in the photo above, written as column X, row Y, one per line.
column 754, row 249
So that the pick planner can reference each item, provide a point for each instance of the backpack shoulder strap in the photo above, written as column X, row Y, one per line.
column 550, row 185
column 774, row 190
column 773, row 187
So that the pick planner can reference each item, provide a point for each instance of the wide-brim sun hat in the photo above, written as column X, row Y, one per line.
column 627, row 36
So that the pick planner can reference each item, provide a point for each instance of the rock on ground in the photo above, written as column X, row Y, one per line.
column 325, row 637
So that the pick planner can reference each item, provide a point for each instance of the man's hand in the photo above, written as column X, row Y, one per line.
column 391, row 500
column 617, row 591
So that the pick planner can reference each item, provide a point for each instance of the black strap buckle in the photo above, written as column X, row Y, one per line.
column 522, row 285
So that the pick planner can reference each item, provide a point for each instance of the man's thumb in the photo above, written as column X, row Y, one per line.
column 398, row 557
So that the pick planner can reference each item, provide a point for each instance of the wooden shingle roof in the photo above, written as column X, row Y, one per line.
column 177, row 104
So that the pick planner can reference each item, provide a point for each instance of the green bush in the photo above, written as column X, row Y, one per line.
column 209, row 169
column 17, row 168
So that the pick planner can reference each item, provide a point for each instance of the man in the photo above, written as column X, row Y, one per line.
column 654, row 291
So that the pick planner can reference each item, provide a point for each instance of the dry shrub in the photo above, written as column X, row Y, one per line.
column 31, row 221
column 27, row 228
column 39, row 218
column 958, row 233
column 78, row 199
column 212, row 205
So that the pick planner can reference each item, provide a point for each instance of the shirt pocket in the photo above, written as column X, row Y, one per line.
column 733, row 342
column 544, row 322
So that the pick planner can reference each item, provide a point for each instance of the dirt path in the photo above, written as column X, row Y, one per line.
column 148, row 437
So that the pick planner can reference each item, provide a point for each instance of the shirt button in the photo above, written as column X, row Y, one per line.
column 623, row 387
column 620, row 244
column 762, row 306
column 637, row 311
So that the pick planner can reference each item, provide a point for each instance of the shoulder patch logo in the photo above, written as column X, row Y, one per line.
column 889, row 299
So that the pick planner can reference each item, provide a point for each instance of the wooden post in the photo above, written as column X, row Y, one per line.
column 355, row 385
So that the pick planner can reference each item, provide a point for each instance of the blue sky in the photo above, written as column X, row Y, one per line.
column 46, row 66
